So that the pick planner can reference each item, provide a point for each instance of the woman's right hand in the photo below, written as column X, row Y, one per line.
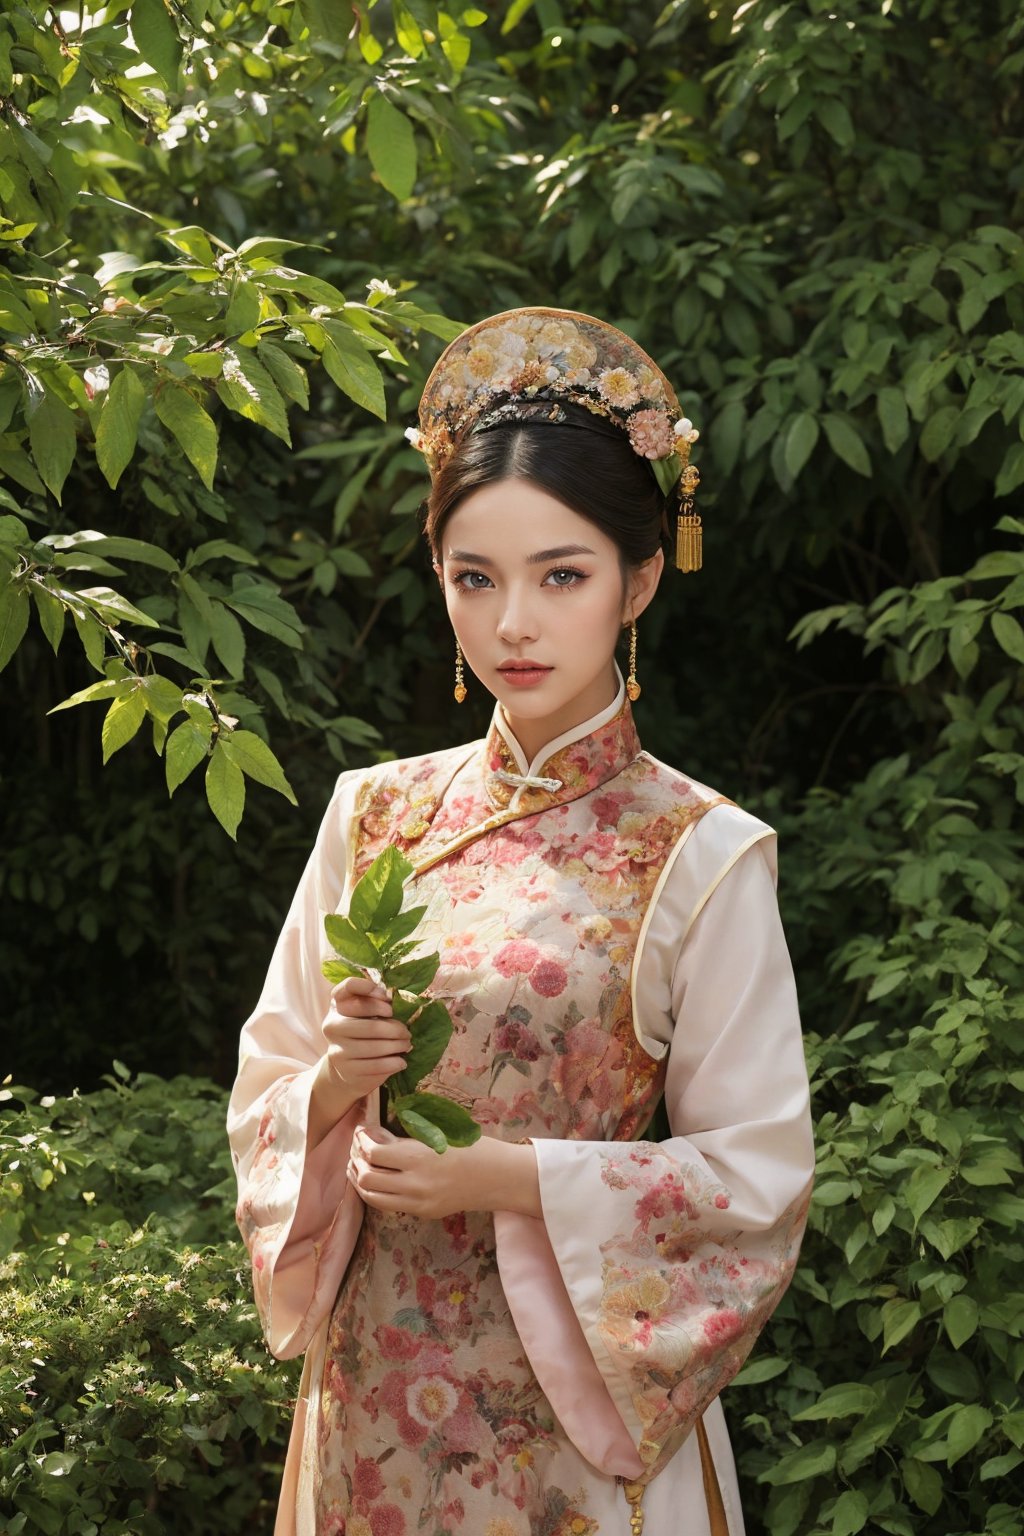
column 365, row 1042
column 365, row 1045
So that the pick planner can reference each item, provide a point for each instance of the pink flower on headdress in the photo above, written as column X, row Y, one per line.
column 617, row 387
column 651, row 435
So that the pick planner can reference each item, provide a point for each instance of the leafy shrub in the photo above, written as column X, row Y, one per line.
column 892, row 1397
column 136, row 1394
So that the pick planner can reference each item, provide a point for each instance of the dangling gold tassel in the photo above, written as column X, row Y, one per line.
column 635, row 1499
column 689, row 542
column 689, row 534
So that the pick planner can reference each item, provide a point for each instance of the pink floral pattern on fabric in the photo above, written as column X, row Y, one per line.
column 683, row 1296
column 425, row 1413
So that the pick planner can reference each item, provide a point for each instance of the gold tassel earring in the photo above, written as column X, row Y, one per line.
column 460, row 682
column 632, row 686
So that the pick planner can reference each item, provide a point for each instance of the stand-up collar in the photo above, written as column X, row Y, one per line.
column 571, row 765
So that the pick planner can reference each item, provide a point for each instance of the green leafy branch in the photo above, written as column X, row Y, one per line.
column 376, row 940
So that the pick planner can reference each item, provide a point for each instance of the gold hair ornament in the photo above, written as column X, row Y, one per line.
column 514, row 365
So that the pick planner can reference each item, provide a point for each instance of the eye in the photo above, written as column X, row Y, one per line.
column 565, row 576
column 471, row 581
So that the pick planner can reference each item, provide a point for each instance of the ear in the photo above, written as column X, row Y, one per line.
column 439, row 573
column 641, row 585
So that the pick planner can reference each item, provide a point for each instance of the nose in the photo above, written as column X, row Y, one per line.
column 517, row 624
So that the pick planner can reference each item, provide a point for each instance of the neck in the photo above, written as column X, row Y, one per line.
column 534, row 735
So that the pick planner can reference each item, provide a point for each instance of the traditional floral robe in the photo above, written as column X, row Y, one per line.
column 609, row 933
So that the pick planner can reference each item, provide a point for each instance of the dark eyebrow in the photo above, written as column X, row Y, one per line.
column 540, row 558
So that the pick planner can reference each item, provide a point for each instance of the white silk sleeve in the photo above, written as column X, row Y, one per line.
column 666, row 1259
column 296, row 1211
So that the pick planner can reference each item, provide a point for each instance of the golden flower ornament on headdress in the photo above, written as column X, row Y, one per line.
column 520, row 365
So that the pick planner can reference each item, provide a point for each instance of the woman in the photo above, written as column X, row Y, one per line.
column 527, row 1337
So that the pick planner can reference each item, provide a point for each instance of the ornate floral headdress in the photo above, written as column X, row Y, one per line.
column 522, row 364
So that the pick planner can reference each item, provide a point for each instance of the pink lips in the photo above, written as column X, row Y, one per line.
column 525, row 673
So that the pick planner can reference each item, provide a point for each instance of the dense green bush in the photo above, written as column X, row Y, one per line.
column 135, row 1392
column 892, row 1397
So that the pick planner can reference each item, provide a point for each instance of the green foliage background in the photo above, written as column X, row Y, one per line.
column 809, row 212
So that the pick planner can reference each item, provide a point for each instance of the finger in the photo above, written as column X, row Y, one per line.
column 359, row 986
column 359, row 995
column 360, row 1008
column 377, row 1159
column 393, row 1204
column 380, row 1043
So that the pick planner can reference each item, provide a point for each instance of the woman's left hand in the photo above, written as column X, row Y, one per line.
column 392, row 1173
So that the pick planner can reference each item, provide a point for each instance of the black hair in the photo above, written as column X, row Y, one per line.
column 584, row 460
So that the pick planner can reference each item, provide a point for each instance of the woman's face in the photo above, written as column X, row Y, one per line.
column 537, row 599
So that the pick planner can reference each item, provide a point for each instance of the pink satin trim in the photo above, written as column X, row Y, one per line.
column 556, row 1348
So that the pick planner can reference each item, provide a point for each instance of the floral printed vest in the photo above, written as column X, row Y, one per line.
column 537, row 886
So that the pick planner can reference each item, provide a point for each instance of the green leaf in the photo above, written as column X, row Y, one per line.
column 51, row 614
column 194, row 429
column 960, row 1316
column 894, row 417
column 352, row 368
column 247, row 388
column 850, row 1513
column 923, row 1187
column 51, row 433
column 938, row 432
column 898, row 1319
column 923, row 1483
column 251, row 753
column 1011, row 473
column 839, row 1402
column 118, row 428
column 431, row 1031
column 225, row 790
column 352, row 945
column 764, row 1368
column 339, row 970
column 834, row 117
column 243, row 311
column 391, row 146
column 846, row 443
column 156, row 38
column 397, row 928
column 163, row 699
column 407, row 31
column 13, row 620
column 93, row 637
column 261, row 607
column 966, row 1428
column 514, row 15
column 420, row 1128
column 456, row 1124
column 228, row 639
column 114, row 608
column 809, row 1461
column 289, row 377
column 122, row 720
column 110, row 688
column 1009, row 634
column 118, row 548
column 413, row 975
column 800, row 440
column 377, row 898
column 187, row 745
column 221, row 549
